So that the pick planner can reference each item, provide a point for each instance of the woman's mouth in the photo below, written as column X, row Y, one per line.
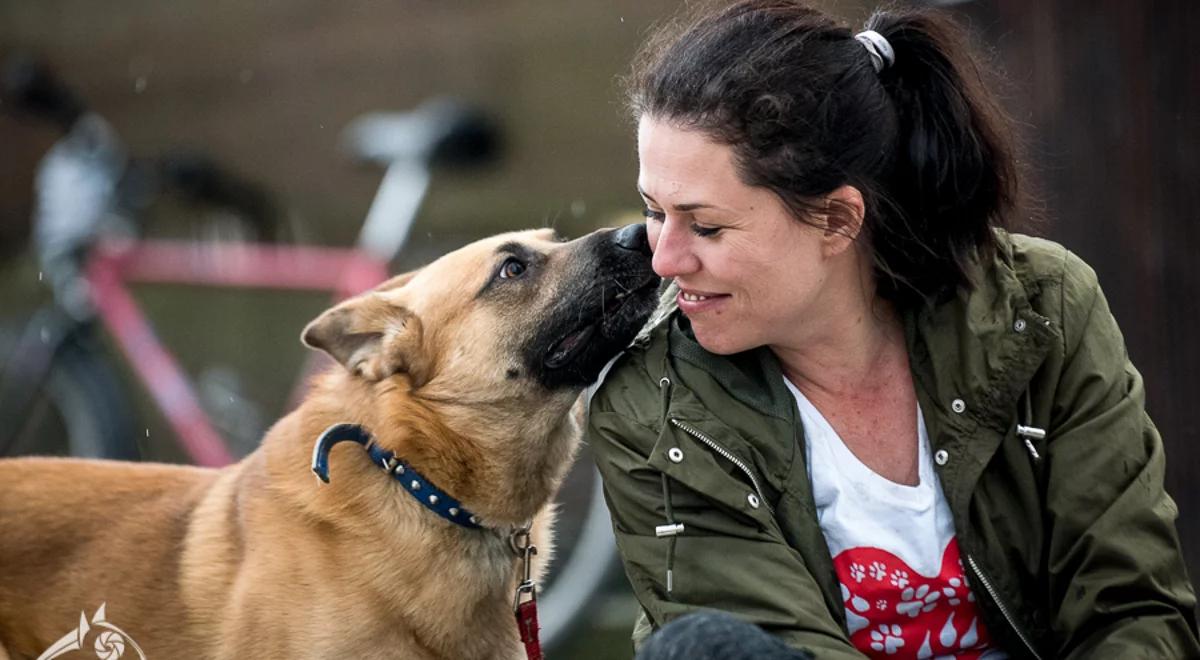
column 692, row 302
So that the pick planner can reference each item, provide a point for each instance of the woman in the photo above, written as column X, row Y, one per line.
column 869, row 420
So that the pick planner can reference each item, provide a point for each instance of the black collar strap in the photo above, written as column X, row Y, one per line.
column 430, row 496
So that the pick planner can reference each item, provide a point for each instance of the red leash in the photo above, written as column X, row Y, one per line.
column 526, row 611
column 527, row 624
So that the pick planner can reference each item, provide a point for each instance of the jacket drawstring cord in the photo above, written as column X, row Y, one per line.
column 1028, row 431
column 672, row 528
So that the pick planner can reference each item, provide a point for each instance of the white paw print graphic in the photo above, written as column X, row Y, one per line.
column 886, row 638
column 857, row 572
column 917, row 600
column 952, row 592
column 878, row 570
column 899, row 578
column 859, row 603
column 881, row 605
column 854, row 604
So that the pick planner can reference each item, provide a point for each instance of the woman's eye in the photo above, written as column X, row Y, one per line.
column 704, row 231
column 511, row 268
column 654, row 215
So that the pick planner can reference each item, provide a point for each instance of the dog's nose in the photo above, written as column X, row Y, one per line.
column 633, row 237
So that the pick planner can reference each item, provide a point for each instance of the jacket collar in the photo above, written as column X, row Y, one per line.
column 753, row 377
column 983, row 346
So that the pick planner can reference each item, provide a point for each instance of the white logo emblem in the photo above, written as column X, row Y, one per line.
column 110, row 644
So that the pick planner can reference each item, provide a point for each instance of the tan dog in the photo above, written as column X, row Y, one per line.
column 466, row 369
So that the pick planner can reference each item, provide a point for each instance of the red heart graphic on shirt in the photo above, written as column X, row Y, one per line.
column 892, row 611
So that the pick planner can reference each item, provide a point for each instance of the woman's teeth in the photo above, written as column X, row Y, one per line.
column 694, row 297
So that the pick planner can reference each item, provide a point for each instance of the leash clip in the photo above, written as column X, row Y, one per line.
column 522, row 546
column 525, row 597
column 525, row 588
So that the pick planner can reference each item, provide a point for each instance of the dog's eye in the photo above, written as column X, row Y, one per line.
column 511, row 268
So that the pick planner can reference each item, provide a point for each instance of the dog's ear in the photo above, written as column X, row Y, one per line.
column 373, row 335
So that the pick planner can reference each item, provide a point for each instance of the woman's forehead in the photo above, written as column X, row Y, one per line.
column 678, row 163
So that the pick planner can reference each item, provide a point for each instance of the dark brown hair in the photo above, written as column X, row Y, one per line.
column 797, row 97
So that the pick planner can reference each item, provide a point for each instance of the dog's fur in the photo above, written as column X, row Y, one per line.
column 456, row 368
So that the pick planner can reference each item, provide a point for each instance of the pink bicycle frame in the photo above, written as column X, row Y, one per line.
column 342, row 271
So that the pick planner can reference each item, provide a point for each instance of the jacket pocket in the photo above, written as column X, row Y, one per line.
column 712, row 476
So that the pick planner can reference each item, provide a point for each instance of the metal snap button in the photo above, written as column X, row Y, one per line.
column 958, row 405
column 1019, row 325
column 941, row 457
column 753, row 500
column 675, row 454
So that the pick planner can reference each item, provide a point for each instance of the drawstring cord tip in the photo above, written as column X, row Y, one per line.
column 668, row 530
column 1031, row 432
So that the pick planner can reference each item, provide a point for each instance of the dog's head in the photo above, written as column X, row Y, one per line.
column 499, row 316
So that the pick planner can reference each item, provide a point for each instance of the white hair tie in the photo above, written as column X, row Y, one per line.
column 882, row 55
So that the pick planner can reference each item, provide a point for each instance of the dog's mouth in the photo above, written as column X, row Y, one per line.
column 563, row 351
column 569, row 346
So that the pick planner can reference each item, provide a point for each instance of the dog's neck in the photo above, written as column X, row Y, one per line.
column 505, row 478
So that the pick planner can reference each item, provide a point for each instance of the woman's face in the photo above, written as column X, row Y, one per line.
column 749, row 273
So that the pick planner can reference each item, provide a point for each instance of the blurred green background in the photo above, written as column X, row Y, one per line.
column 1107, row 93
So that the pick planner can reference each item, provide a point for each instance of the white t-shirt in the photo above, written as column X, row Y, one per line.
column 894, row 550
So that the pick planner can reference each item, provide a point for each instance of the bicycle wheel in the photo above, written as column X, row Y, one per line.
column 72, row 405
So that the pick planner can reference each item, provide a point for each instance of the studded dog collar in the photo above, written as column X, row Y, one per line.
column 421, row 489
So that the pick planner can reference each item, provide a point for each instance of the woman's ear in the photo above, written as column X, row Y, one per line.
column 844, row 218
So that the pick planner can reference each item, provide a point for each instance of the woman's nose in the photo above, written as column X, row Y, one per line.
column 672, row 249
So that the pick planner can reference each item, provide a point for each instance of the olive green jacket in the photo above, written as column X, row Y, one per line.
column 1068, row 541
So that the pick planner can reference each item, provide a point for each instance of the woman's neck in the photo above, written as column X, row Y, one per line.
column 852, row 353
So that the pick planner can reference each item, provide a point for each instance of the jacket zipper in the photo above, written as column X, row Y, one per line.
column 1000, row 604
column 728, row 456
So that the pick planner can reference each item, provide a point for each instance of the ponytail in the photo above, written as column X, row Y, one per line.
column 955, row 175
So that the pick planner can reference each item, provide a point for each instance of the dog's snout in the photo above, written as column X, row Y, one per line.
column 633, row 237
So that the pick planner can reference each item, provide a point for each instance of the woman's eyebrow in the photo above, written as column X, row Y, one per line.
column 684, row 208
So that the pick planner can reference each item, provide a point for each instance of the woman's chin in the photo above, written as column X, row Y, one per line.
column 718, row 343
